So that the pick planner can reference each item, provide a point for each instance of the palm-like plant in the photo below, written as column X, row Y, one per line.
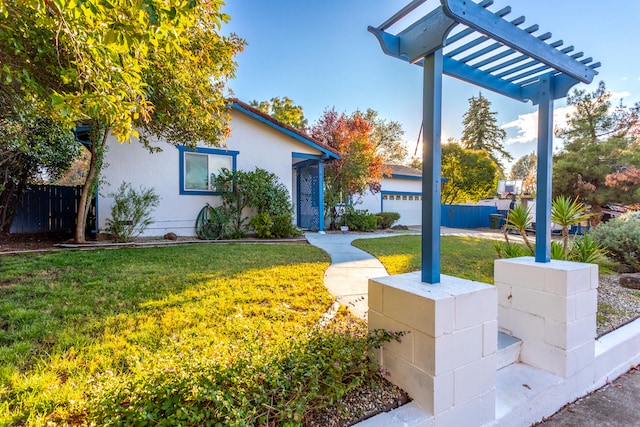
column 519, row 219
column 567, row 212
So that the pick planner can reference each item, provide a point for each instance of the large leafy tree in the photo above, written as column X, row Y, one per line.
column 525, row 169
column 284, row 110
column 387, row 138
column 30, row 147
column 599, row 160
column 157, row 66
column 471, row 174
column 360, row 167
column 481, row 130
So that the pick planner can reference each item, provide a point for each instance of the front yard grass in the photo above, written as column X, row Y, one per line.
column 464, row 257
column 185, row 335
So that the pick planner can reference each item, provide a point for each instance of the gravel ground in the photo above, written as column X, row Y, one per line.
column 358, row 405
column 617, row 305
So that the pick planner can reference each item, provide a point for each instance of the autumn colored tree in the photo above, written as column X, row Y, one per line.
column 359, row 169
column 284, row 110
column 156, row 66
column 471, row 174
column 599, row 160
column 481, row 130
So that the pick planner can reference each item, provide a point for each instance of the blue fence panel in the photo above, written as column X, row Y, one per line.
column 467, row 216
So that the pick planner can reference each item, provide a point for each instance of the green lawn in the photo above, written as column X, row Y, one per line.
column 464, row 257
column 178, row 335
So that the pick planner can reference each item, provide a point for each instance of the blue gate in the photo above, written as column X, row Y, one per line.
column 308, row 194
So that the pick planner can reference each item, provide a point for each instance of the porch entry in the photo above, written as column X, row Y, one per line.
column 308, row 204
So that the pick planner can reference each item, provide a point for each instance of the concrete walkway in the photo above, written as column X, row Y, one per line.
column 347, row 279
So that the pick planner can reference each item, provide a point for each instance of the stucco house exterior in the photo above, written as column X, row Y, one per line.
column 181, row 176
column 401, row 192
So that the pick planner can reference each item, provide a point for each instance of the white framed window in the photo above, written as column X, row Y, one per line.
column 198, row 168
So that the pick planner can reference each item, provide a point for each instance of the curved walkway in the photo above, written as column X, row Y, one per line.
column 347, row 278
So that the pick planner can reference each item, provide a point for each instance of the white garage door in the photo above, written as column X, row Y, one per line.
column 408, row 205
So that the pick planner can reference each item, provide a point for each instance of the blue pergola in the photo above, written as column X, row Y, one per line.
column 464, row 39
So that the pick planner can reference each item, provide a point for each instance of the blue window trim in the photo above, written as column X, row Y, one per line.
column 201, row 150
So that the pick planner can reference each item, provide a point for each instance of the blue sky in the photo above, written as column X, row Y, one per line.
column 319, row 54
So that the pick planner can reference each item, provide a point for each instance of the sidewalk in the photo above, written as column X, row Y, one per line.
column 614, row 405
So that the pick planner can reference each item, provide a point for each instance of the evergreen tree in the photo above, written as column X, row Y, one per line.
column 481, row 131
column 599, row 152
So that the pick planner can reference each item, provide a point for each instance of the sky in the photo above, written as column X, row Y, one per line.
column 320, row 54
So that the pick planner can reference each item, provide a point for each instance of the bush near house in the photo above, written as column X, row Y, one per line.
column 260, row 191
column 131, row 211
column 359, row 220
column 386, row 219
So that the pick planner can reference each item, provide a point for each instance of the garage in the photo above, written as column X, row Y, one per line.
column 407, row 204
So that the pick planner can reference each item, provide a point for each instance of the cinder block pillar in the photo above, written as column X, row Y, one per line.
column 552, row 308
column 446, row 361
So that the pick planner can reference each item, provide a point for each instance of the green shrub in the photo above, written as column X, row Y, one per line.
column 557, row 250
column 131, row 211
column 586, row 249
column 509, row 250
column 261, row 224
column 259, row 190
column 621, row 239
column 283, row 227
column 386, row 219
column 274, row 389
column 359, row 220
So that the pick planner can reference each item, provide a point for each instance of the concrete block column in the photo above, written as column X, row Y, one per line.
column 552, row 308
column 447, row 359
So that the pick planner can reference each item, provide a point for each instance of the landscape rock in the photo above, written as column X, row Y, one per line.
column 170, row 236
column 630, row 280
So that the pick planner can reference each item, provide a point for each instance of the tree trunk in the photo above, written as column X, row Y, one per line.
column 90, row 184
column 565, row 241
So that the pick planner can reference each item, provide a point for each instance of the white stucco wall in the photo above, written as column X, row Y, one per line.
column 258, row 144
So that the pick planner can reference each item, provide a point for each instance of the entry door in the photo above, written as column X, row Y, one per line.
column 308, row 195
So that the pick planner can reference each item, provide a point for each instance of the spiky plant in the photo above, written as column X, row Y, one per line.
column 567, row 212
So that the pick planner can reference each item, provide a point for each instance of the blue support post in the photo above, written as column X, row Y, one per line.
column 545, row 154
column 431, row 167
column 321, row 195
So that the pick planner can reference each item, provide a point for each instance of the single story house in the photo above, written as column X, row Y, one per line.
column 401, row 192
column 181, row 177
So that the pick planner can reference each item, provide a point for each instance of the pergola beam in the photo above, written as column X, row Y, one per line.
column 483, row 21
column 517, row 64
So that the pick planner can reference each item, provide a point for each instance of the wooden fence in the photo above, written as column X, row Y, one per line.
column 50, row 208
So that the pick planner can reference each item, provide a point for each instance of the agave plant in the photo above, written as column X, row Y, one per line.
column 586, row 249
column 567, row 212
column 519, row 219
column 557, row 250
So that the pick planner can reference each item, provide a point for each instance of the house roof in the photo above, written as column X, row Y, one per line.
column 253, row 112
column 399, row 171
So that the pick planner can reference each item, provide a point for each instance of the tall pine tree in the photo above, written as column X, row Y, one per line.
column 599, row 157
column 481, row 131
